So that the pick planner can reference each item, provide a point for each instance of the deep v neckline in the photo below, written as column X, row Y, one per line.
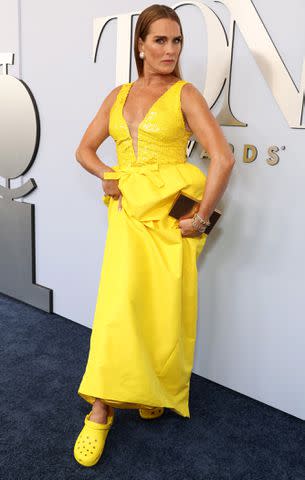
column 144, row 118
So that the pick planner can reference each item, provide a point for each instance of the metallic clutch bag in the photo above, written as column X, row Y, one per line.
column 185, row 205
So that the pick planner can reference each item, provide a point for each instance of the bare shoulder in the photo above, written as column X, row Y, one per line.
column 111, row 97
column 192, row 99
column 203, row 124
column 98, row 129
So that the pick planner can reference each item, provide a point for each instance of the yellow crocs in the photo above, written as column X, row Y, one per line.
column 90, row 443
column 149, row 413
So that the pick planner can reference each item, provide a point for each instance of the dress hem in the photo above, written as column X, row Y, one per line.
column 127, row 405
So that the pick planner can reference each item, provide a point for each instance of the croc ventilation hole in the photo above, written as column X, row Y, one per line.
column 93, row 446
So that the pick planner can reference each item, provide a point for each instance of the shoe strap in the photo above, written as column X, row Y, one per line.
column 99, row 426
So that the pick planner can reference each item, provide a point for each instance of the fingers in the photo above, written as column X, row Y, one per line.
column 186, row 228
column 189, row 233
column 120, row 203
column 119, row 198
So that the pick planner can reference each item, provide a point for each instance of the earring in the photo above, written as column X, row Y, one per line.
column 141, row 55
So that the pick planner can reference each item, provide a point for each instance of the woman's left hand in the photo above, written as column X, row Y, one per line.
column 187, row 229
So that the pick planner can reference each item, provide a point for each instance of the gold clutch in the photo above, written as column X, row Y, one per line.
column 185, row 205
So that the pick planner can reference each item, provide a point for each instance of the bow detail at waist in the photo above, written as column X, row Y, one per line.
column 151, row 170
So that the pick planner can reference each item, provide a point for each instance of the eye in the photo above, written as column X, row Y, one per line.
column 177, row 40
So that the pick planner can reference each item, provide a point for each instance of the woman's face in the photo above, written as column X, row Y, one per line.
column 162, row 43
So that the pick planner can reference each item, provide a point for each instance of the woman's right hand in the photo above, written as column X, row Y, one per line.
column 111, row 188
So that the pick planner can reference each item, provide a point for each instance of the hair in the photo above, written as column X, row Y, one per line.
column 145, row 19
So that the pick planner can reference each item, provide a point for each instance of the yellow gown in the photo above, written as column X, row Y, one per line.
column 144, row 328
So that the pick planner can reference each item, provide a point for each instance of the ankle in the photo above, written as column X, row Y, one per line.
column 98, row 417
column 100, row 407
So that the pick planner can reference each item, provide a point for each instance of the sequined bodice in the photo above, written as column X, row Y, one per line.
column 162, row 136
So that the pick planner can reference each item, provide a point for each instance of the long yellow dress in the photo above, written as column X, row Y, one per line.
column 144, row 328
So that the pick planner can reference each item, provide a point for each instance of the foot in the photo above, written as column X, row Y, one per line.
column 90, row 442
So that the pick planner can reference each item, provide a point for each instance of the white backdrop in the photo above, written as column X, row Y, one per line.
column 251, row 272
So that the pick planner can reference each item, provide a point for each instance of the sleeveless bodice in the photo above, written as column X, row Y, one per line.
column 150, row 180
column 162, row 136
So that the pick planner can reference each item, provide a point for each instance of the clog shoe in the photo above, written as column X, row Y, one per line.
column 90, row 442
column 149, row 413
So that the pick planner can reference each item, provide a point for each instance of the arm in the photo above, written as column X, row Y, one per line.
column 95, row 134
column 209, row 134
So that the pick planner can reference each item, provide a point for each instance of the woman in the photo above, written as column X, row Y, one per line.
column 143, row 335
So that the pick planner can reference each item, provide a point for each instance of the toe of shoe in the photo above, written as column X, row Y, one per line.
column 89, row 447
column 87, row 457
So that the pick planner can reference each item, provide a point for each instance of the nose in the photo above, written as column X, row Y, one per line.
column 170, row 51
column 172, row 48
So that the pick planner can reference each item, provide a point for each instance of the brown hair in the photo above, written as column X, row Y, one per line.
column 146, row 18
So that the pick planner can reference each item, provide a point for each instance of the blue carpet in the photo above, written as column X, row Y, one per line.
column 229, row 436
